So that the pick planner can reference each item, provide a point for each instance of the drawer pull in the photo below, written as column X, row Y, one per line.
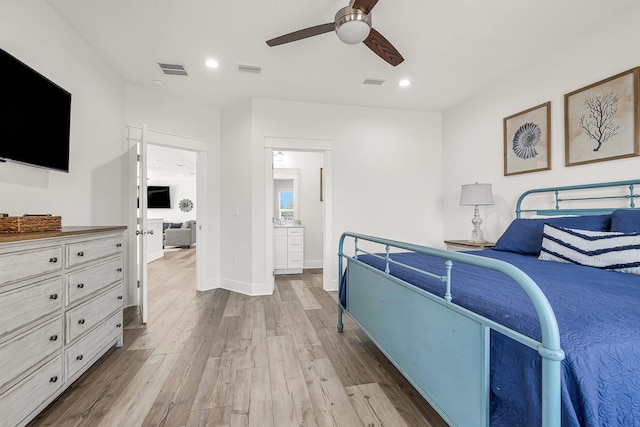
column 119, row 270
column 119, row 325
column 118, row 245
column 53, row 338
column 80, row 285
column 81, row 321
column 81, row 253
column 53, row 260
column 53, row 296
column 119, row 296
column 79, row 357
column 53, row 379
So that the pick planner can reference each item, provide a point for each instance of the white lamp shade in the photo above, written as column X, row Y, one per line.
column 353, row 32
column 476, row 194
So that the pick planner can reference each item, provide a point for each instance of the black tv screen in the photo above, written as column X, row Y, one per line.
column 35, row 117
column 158, row 197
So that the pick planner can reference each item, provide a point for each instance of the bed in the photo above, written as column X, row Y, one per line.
column 542, row 330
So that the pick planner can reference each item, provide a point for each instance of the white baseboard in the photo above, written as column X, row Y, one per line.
column 251, row 289
column 313, row 263
column 212, row 283
column 154, row 256
column 334, row 285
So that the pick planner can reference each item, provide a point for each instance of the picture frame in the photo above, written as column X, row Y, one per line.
column 601, row 120
column 527, row 140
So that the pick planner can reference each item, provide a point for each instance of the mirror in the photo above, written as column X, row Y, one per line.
column 286, row 193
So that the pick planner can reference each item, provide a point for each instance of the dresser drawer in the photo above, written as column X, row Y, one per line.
column 295, row 260
column 81, row 283
column 91, row 250
column 85, row 316
column 85, row 350
column 295, row 244
column 24, row 305
column 16, row 266
column 26, row 396
column 26, row 350
column 294, row 232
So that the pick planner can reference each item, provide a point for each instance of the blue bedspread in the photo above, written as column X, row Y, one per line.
column 598, row 314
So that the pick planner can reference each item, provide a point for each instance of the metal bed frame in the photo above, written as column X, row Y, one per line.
column 440, row 347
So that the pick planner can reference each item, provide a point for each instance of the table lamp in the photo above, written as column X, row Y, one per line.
column 476, row 195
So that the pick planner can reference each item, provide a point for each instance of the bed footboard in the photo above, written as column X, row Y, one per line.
column 440, row 347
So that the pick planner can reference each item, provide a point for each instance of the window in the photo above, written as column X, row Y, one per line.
column 286, row 205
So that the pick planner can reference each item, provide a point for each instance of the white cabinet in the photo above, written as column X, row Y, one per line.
column 61, row 301
column 154, row 242
column 279, row 248
column 288, row 250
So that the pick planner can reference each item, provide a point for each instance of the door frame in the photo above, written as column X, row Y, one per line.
column 324, row 147
column 181, row 142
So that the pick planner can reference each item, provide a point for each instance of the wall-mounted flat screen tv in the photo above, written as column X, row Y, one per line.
column 158, row 197
column 35, row 117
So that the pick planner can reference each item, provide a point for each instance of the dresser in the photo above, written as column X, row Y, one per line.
column 61, row 301
column 288, row 249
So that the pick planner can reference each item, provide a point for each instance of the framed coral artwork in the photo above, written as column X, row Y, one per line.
column 527, row 140
column 601, row 120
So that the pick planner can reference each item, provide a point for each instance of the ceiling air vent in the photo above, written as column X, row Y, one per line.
column 173, row 69
column 243, row 68
column 373, row 81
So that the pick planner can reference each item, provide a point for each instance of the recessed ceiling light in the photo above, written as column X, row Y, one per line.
column 158, row 82
column 404, row 82
column 211, row 63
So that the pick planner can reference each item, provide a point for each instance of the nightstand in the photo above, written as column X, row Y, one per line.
column 465, row 245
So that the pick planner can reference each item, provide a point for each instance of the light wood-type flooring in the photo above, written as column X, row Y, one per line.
column 219, row 358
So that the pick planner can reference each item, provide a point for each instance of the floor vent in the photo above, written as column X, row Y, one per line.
column 243, row 68
column 173, row 69
column 373, row 81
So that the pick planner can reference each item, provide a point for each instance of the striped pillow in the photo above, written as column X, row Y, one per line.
column 607, row 250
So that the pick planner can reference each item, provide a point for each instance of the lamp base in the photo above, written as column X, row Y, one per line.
column 476, row 235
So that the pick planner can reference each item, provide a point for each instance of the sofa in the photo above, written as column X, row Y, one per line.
column 179, row 234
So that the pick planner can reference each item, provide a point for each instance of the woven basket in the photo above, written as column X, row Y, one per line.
column 29, row 223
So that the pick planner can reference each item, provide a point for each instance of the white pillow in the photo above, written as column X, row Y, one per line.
column 602, row 249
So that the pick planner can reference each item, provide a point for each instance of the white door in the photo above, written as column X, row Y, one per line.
column 142, row 229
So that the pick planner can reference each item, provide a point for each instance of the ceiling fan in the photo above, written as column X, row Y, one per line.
column 352, row 24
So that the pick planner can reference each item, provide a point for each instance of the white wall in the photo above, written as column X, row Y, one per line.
column 236, row 203
column 178, row 190
column 91, row 193
column 473, row 135
column 387, row 173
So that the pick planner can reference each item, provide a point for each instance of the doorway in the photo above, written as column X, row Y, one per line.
column 137, row 221
column 319, row 192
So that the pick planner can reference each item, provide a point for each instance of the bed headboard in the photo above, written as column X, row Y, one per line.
column 622, row 192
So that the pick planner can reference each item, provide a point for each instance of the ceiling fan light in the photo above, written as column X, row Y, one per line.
column 353, row 32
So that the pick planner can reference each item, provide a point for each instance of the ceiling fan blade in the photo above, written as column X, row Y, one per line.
column 302, row 34
column 364, row 5
column 383, row 48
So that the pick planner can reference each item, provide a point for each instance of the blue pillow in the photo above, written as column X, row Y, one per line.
column 524, row 236
column 625, row 220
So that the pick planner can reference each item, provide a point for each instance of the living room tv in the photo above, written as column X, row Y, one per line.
column 35, row 117
column 158, row 197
